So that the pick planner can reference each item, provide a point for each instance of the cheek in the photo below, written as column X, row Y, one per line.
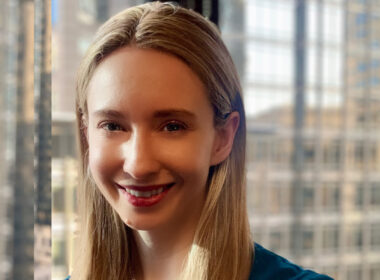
column 102, row 161
column 191, row 159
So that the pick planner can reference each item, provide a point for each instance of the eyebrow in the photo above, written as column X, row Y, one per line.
column 108, row 113
column 173, row 112
column 157, row 114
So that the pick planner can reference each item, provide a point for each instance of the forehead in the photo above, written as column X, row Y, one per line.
column 142, row 79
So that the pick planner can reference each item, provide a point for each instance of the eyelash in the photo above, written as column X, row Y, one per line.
column 106, row 126
column 180, row 126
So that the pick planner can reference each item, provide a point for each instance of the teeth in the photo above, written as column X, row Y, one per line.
column 145, row 193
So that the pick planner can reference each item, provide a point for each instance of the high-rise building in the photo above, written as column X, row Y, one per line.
column 313, row 119
column 68, row 45
column 43, row 146
column 323, row 214
column 5, row 188
column 17, row 87
column 23, row 168
column 17, row 150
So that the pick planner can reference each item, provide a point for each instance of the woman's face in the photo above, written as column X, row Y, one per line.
column 151, row 137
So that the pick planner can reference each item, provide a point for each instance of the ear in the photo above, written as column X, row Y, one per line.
column 224, row 139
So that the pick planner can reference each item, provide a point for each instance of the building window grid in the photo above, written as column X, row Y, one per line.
column 279, row 197
column 254, row 198
column 267, row 154
column 375, row 195
column 279, row 239
column 330, row 238
column 335, row 159
column 330, row 197
column 374, row 271
column 270, row 18
column 331, row 270
column 331, row 155
column 359, row 196
column 354, row 272
column 374, row 231
column 354, row 238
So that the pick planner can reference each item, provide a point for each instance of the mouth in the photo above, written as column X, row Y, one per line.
column 144, row 196
column 147, row 191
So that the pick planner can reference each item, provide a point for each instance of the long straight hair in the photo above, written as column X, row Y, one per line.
column 222, row 247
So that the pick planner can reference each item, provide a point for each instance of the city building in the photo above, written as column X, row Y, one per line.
column 326, row 214
column 17, row 135
column 313, row 118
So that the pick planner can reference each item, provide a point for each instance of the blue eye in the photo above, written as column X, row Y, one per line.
column 174, row 126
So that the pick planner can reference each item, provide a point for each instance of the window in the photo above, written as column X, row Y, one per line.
column 330, row 238
column 354, row 272
column 359, row 196
column 273, row 60
column 375, row 237
column 332, row 68
column 268, row 19
column 254, row 197
column 375, row 195
column 307, row 240
column 308, row 198
column 276, row 240
column 374, row 272
column 59, row 252
column 309, row 153
column 279, row 197
column 280, row 153
column 373, row 156
column 354, row 238
column 58, row 199
column 330, row 196
column 259, row 150
column 332, row 155
column 359, row 154
column 331, row 271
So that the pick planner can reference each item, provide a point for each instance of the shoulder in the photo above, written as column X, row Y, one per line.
column 268, row 265
column 67, row 278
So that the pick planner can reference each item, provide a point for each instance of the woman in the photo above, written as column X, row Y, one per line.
column 162, row 143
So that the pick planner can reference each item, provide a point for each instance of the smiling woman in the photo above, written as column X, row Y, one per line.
column 162, row 135
column 150, row 158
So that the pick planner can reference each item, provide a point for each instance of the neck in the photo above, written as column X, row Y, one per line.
column 163, row 251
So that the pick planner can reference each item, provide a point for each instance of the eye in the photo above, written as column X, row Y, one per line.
column 110, row 126
column 174, row 126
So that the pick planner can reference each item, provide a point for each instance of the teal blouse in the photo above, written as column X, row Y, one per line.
column 267, row 266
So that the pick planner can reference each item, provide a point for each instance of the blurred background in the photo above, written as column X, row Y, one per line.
column 311, row 77
column 25, row 140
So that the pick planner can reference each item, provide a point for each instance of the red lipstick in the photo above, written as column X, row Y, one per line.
column 145, row 196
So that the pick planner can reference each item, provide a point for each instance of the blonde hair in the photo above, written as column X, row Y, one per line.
column 222, row 246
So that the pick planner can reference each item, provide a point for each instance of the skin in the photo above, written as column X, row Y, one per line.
column 150, row 122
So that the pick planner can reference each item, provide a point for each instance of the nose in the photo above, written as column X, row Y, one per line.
column 139, row 159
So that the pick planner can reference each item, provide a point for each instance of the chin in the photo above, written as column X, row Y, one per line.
column 140, row 223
